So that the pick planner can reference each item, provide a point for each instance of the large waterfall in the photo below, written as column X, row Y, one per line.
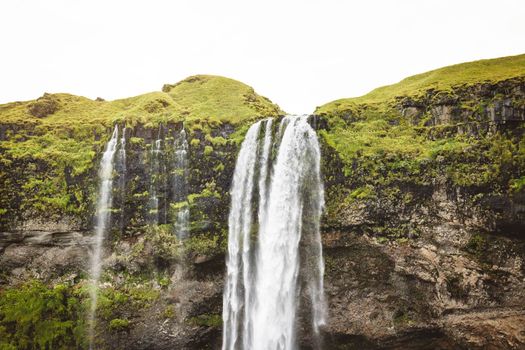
column 102, row 220
column 265, row 276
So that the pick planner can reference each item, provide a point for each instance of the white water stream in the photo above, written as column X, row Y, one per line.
column 261, row 298
column 103, row 215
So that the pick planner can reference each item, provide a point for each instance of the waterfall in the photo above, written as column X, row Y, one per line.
column 156, row 152
column 180, row 184
column 261, row 298
column 122, row 169
column 239, row 221
column 102, row 221
column 295, row 204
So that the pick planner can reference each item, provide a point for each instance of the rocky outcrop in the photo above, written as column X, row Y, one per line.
column 472, row 109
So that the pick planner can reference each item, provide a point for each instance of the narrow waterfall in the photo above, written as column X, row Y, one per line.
column 261, row 298
column 155, row 161
column 180, row 184
column 102, row 221
column 122, row 170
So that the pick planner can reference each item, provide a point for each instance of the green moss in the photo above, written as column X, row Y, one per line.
column 34, row 316
column 203, row 244
column 382, row 148
column 195, row 142
column 169, row 312
column 382, row 240
column 207, row 320
column 365, row 192
column 516, row 185
column 164, row 244
column 119, row 325
column 208, row 191
column 208, row 150
column 164, row 282
column 110, row 299
column 136, row 141
column 131, row 296
column 216, row 141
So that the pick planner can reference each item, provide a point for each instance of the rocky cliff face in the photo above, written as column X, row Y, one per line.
column 422, row 233
column 426, row 259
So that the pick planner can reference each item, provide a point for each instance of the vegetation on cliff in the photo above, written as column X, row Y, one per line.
column 34, row 316
column 460, row 126
column 48, row 147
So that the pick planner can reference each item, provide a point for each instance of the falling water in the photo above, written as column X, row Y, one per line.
column 295, row 204
column 240, row 220
column 180, row 187
column 261, row 296
column 122, row 169
column 156, row 151
column 102, row 220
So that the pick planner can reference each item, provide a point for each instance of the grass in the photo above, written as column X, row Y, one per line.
column 442, row 79
column 377, row 130
column 200, row 97
column 52, row 143
column 220, row 99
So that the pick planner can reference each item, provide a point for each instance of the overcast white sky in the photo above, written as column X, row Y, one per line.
column 300, row 54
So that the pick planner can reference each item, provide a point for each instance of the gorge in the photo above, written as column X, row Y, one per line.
column 420, row 240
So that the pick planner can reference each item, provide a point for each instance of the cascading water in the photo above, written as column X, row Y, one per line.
column 261, row 297
column 122, row 169
column 240, row 220
column 295, row 204
column 180, row 184
column 156, row 151
column 102, row 220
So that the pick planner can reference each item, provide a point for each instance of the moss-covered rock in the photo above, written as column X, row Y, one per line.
column 49, row 165
column 459, row 127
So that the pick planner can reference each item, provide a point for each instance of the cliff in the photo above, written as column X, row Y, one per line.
column 425, row 210
column 422, row 231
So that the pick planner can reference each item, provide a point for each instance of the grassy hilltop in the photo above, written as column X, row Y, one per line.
column 43, row 141
column 443, row 79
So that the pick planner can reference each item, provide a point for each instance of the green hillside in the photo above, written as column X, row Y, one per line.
column 442, row 79
column 58, row 136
